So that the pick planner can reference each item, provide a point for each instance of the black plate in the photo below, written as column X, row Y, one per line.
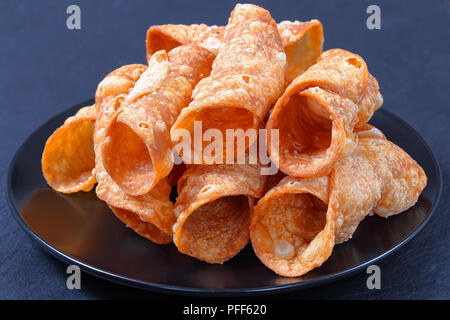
column 80, row 229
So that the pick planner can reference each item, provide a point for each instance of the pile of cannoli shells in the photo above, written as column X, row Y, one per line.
column 334, row 168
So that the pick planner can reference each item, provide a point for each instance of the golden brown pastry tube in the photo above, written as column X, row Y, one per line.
column 213, row 210
column 290, row 229
column 318, row 112
column 246, row 79
column 142, row 228
column 150, row 215
column 68, row 159
column 169, row 36
column 137, row 150
column 296, row 224
column 111, row 92
column 302, row 41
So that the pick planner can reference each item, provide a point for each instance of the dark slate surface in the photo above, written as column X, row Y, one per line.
column 45, row 68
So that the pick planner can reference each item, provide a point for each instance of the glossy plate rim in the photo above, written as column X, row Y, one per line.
column 191, row 291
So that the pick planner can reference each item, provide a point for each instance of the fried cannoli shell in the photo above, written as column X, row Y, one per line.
column 296, row 224
column 317, row 114
column 403, row 178
column 137, row 150
column 142, row 228
column 302, row 41
column 153, row 209
column 68, row 160
column 378, row 176
column 246, row 79
column 213, row 210
column 117, row 82
column 109, row 96
column 291, row 230
column 169, row 36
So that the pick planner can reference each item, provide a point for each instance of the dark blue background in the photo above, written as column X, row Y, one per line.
column 46, row 68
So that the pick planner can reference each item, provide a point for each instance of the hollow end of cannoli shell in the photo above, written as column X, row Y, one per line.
column 128, row 160
column 215, row 231
column 292, row 231
column 158, row 39
column 303, row 45
column 68, row 160
column 311, row 136
column 217, row 120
